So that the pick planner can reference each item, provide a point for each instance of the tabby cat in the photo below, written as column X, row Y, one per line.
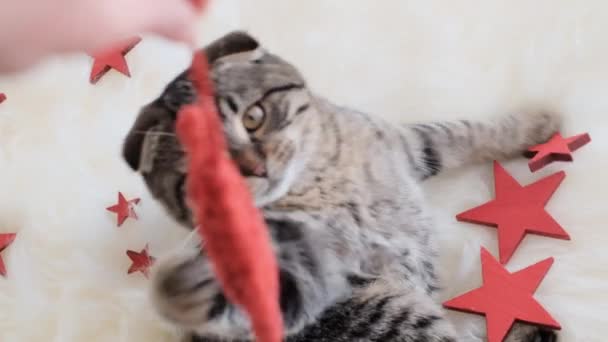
column 340, row 193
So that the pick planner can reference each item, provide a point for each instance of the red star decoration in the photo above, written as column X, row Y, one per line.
column 2, row 97
column 5, row 240
column 124, row 209
column 506, row 297
column 557, row 148
column 141, row 261
column 112, row 58
column 517, row 210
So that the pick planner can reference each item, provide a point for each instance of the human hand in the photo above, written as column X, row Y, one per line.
column 34, row 29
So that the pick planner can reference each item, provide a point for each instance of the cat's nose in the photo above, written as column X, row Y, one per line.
column 258, row 171
column 250, row 162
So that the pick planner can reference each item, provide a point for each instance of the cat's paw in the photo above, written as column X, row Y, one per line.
column 184, row 290
column 540, row 126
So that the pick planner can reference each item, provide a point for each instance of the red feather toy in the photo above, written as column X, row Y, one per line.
column 236, row 238
column 199, row 4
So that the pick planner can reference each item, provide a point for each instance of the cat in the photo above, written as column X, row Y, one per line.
column 340, row 193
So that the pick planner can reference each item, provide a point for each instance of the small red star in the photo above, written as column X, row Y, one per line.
column 506, row 297
column 141, row 261
column 5, row 240
column 113, row 58
column 517, row 210
column 124, row 209
column 557, row 148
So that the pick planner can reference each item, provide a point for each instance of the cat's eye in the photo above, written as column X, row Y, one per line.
column 254, row 118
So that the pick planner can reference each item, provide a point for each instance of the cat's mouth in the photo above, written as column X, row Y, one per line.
column 250, row 162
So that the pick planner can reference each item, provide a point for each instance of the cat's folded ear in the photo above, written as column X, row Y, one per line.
column 232, row 43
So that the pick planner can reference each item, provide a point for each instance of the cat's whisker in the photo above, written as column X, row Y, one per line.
column 167, row 134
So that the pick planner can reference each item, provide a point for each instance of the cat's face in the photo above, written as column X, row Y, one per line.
column 265, row 110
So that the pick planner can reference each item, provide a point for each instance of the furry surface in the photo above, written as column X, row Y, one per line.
column 60, row 140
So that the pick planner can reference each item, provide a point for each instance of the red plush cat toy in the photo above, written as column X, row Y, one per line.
column 236, row 238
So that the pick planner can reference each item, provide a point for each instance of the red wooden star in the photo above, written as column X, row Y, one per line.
column 124, row 209
column 517, row 210
column 112, row 58
column 506, row 297
column 557, row 148
column 5, row 240
column 141, row 261
column 2, row 97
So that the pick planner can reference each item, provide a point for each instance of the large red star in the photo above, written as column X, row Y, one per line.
column 2, row 97
column 5, row 240
column 557, row 148
column 517, row 210
column 124, row 209
column 506, row 297
column 141, row 261
column 112, row 58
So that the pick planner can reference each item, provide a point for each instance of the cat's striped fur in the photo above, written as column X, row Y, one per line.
column 340, row 193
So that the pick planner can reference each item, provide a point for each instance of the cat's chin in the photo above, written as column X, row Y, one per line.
column 259, row 189
column 264, row 190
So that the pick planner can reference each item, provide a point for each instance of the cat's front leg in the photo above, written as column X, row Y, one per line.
column 186, row 293
column 311, row 279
